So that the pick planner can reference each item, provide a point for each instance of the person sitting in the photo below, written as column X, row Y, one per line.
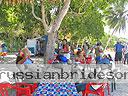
column 98, row 52
column 66, row 49
column 105, row 60
column 60, row 57
column 24, row 57
column 80, row 57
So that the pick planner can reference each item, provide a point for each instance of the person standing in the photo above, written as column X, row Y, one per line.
column 118, row 52
column 126, row 53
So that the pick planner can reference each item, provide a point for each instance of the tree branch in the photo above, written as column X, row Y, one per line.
column 56, row 24
column 43, row 16
column 82, row 6
column 76, row 14
column 33, row 12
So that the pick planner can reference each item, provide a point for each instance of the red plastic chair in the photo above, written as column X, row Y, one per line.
column 99, row 91
column 22, row 89
column 31, row 86
column 3, row 89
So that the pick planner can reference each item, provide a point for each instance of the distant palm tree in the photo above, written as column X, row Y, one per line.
column 116, row 17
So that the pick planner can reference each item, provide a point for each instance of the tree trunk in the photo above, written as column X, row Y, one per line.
column 49, row 54
column 52, row 28
column 0, row 1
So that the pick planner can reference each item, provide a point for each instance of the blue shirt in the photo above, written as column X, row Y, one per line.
column 119, row 47
column 104, row 61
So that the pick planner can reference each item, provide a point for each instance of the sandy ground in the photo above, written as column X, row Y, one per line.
column 11, row 59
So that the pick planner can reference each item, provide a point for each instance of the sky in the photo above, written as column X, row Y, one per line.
column 117, row 34
column 121, row 34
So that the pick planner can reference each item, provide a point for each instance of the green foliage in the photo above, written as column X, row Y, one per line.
column 84, row 20
column 116, row 15
column 105, row 38
column 18, row 24
column 88, row 25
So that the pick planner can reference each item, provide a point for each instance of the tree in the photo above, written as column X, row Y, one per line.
column 52, row 28
column 16, row 26
column 84, row 19
column 116, row 17
column 83, row 26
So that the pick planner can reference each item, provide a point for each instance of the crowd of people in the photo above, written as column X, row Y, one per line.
column 121, row 53
column 83, row 54
column 67, row 53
